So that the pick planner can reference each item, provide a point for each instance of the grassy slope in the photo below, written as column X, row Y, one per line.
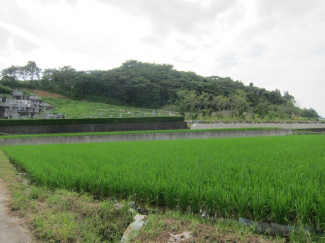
column 81, row 109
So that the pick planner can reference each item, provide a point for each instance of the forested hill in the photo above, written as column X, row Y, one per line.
column 153, row 85
column 148, row 85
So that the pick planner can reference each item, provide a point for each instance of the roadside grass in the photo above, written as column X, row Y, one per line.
column 59, row 215
column 160, row 228
column 135, row 132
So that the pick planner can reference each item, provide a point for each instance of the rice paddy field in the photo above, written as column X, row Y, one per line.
column 275, row 179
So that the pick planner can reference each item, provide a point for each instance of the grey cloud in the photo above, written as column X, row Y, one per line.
column 152, row 40
column 257, row 50
column 10, row 12
column 4, row 40
column 4, row 37
column 72, row 2
column 209, row 45
column 180, row 60
column 294, row 24
column 13, row 14
column 318, row 50
column 228, row 60
column 187, row 47
column 178, row 15
column 23, row 44
column 286, row 14
column 191, row 47
column 289, row 9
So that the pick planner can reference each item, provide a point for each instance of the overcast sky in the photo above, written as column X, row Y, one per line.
column 271, row 43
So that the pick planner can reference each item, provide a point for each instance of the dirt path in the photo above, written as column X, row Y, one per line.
column 45, row 94
column 11, row 230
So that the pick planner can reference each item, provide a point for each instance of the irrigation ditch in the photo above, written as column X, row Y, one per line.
column 143, row 137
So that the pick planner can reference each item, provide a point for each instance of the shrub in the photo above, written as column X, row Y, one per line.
column 38, row 122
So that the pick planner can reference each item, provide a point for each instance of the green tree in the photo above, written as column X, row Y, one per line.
column 262, row 109
column 238, row 103
column 5, row 89
column 32, row 71
column 204, row 102
column 188, row 100
column 310, row 113
column 276, row 98
column 281, row 109
column 220, row 104
column 11, row 73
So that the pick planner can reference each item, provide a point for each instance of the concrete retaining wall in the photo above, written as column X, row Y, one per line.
column 83, row 128
column 143, row 137
column 241, row 125
column 312, row 129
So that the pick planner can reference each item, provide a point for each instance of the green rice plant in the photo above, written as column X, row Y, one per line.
column 319, row 209
column 276, row 179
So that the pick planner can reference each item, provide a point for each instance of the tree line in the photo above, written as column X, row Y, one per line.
column 149, row 85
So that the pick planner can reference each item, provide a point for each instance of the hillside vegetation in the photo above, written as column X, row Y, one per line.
column 155, row 86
